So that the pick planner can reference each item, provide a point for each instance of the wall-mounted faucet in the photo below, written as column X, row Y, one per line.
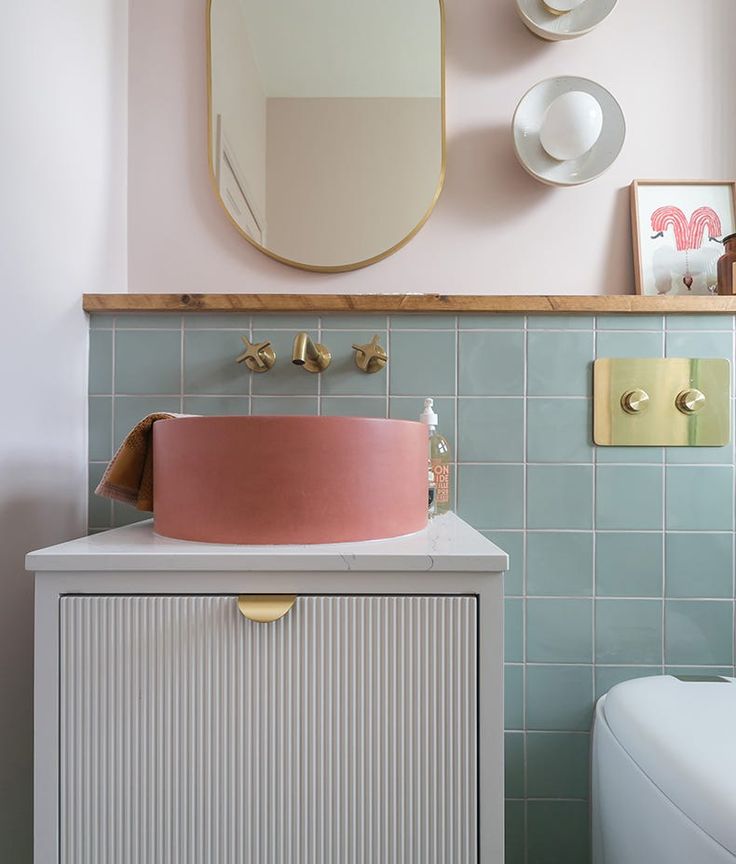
column 258, row 356
column 313, row 357
column 372, row 357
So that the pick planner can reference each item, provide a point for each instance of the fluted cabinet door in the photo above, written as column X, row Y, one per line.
column 345, row 733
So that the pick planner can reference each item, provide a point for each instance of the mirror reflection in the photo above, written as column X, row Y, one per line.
column 327, row 124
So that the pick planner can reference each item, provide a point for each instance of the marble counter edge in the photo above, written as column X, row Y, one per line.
column 447, row 545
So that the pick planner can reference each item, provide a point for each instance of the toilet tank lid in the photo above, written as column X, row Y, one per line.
column 682, row 735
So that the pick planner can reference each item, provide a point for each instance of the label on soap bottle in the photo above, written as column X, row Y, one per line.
column 441, row 471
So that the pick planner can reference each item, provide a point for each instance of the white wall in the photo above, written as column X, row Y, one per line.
column 669, row 63
column 62, row 96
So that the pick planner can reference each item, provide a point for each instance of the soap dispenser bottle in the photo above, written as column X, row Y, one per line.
column 439, row 461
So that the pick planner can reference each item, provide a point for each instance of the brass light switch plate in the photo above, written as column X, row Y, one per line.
column 675, row 402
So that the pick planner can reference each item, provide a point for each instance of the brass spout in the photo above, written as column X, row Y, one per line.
column 313, row 357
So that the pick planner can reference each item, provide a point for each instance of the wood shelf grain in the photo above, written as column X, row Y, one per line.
column 452, row 303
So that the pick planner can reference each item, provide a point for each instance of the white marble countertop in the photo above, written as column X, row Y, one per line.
column 448, row 544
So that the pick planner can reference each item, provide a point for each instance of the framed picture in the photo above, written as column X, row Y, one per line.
column 678, row 227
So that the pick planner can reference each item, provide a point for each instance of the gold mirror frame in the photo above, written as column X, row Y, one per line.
column 342, row 268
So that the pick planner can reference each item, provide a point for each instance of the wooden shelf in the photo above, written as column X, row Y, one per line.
column 452, row 303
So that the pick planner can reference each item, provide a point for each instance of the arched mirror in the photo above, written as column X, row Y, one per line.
column 327, row 138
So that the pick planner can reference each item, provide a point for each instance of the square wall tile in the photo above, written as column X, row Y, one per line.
column 699, row 565
column 130, row 409
column 514, row 764
column 699, row 632
column 286, row 321
column 290, row 406
column 514, row 834
column 628, row 631
column 100, row 428
column 559, row 698
column 422, row 363
column 560, row 322
column 147, row 361
column 513, row 704
column 420, row 321
column 700, row 455
column 491, row 430
column 357, row 321
column 643, row 455
column 699, row 322
column 699, row 671
column 559, row 430
column 490, row 321
column 629, row 497
column 491, row 497
column 125, row 514
column 560, row 564
column 217, row 406
column 558, row 832
column 512, row 542
column 210, row 367
column 700, row 498
column 491, row 364
column 101, row 322
column 513, row 630
column 100, row 362
column 560, row 496
column 613, row 344
column 700, row 344
column 628, row 321
column 99, row 510
column 557, row 764
column 343, row 377
column 559, row 364
column 148, row 321
column 217, row 321
column 559, row 631
column 628, row 564
column 354, row 406
column 609, row 676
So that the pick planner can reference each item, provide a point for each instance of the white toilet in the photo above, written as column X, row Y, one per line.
column 664, row 772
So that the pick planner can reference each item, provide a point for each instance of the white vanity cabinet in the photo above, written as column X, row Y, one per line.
column 362, row 727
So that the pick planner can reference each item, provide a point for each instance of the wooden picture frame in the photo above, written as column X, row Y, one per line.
column 679, row 212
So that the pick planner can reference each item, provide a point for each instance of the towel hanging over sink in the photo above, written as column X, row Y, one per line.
column 129, row 476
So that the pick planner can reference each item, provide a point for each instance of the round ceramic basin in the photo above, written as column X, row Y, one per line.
column 286, row 480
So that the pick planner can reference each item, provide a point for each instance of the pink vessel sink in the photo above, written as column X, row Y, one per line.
column 282, row 480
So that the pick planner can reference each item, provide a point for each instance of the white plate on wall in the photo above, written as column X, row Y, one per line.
column 527, row 123
column 570, row 25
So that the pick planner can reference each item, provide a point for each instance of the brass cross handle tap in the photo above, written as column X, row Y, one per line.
column 370, row 358
column 258, row 356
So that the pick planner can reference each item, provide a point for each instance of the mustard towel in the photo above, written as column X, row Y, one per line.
column 129, row 476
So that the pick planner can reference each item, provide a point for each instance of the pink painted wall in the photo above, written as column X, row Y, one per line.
column 670, row 64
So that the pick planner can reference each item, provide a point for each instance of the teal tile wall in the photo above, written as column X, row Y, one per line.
column 622, row 559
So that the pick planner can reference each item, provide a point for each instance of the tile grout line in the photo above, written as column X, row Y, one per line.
column 111, row 508
column 594, row 605
column 663, row 611
column 524, row 585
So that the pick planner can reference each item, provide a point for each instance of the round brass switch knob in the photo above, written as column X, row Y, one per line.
column 635, row 401
column 690, row 401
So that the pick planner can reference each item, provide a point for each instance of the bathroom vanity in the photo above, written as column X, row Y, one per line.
column 364, row 725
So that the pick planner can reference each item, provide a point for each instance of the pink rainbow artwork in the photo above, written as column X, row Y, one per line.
column 693, row 257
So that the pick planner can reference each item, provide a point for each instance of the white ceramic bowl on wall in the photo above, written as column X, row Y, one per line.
column 554, row 27
column 529, row 121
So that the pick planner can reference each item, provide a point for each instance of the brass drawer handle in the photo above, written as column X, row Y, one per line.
column 265, row 608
